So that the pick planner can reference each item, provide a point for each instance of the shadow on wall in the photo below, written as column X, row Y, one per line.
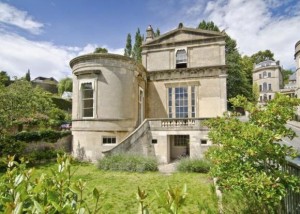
column 155, row 107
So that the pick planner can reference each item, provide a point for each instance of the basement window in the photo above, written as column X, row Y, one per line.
column 108, row 140
column 203, row 142
column 154, row 141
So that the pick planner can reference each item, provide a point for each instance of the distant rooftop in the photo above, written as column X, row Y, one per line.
column 266, row 64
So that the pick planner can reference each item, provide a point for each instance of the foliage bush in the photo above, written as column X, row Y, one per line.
column 57, row 193
column 43, row 154
column 128, row 162
column 62, row 104
column 9, row 146
column 193, row 165
column 46, row 135
column 249, row 156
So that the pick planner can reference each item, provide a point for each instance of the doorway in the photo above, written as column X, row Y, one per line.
column 179, row 146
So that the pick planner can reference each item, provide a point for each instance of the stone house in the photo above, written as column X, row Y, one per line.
column 156, row 108
column 268, row 77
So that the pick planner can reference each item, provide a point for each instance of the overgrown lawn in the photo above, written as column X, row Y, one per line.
column 120, row 188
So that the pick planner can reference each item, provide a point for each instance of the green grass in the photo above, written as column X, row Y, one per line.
column 120, row 188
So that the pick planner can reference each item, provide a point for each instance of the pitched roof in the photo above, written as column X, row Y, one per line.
column 195, row 34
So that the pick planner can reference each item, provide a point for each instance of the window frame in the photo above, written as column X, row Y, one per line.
column 181, row 140
column 113, row 140
column 190, row 101
column 181, row 60
column 83, row 98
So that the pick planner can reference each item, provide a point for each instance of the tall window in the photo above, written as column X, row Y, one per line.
column 170, row 102
column 270, row 87
column 87, row 100
column 193, row 102
column 265, row 86
column 181, row 59
column 269, row 74
column 182, row 102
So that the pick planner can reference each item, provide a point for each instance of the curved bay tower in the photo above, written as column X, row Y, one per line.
column 106, row 107
column 156, row 108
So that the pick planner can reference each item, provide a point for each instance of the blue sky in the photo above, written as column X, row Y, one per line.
column 44, row 36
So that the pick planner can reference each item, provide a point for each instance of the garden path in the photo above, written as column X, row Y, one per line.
column 167, row 169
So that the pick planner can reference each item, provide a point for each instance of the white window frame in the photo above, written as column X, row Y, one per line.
column 81, row 82
column 175, row 56
column 112, row 138
column 171, row 100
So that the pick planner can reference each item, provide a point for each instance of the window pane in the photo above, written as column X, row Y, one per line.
column 88, row 112
column 88, row 93
column 87, row 103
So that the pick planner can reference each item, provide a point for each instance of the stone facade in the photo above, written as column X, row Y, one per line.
column 268, row 77
column 109, row 111
column 297, row 60
column 182, row 82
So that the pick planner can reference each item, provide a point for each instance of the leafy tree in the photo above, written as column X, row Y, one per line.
column 20, row 101
column 261, row 56
column 65, row 84
column 157, row 32
column 286, row 75
column 237, row 83
column 4, row 78
column 249, row 157
column 137, row 49
column 248, row 65
column 128, row 48
column 27, row 76
column 100, row 50
column 208, row 26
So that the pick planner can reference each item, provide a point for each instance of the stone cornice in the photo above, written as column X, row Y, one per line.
column 184, row 42
column 183, row 73
column 103, row 56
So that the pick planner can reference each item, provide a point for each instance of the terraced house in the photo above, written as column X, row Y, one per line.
column 156, row 108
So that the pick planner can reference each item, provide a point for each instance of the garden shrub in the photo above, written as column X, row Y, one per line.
column 46, row 135
column 193, row 165
column 43, row 154
column 9, row 146
column 21, row 192
column 128, row 162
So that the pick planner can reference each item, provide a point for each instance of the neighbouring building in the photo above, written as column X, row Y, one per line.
column 156, row 108
column 297, row 60
column 48, row 84
column 268, row 77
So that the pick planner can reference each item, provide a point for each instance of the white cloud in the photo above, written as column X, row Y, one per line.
column 13, row 16
column 19, row 54
column 43, row 59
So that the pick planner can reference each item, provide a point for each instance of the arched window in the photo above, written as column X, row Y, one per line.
column 181, row 59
